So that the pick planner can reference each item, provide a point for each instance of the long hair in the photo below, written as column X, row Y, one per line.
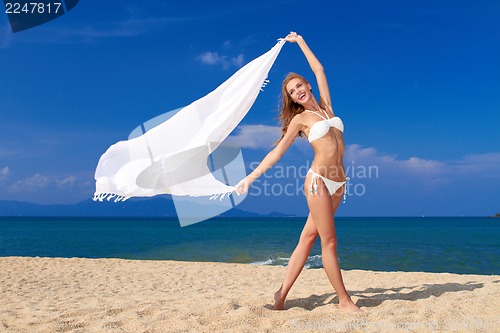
column 288, row 107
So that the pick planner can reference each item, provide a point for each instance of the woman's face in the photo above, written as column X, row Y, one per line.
column 299, row 90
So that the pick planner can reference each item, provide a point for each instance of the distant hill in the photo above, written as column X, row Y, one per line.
column 135, row 207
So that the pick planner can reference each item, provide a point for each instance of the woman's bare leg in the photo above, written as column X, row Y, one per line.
column 297, row 261
column 322, row 208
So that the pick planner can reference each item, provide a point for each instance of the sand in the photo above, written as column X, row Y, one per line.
column 113, row 295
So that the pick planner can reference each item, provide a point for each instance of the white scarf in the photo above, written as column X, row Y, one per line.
column 171, row 158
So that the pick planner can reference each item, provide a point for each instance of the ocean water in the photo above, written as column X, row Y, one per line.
column 466, row 245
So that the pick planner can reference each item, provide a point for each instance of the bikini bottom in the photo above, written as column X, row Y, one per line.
column 331, row 185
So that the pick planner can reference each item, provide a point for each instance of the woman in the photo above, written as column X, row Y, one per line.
column 325, row 181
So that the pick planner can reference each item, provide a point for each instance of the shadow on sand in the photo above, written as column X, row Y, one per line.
column 372, row 297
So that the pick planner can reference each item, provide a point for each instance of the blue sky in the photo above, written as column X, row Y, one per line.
column 416, row 83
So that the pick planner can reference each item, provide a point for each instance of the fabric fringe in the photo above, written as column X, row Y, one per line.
column 109, row 196
column 221, row 195
column 264, row 84
column 345, row 189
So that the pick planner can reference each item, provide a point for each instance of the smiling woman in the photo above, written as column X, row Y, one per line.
column 302, row 114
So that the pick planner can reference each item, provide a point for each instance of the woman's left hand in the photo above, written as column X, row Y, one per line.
column 242, row 186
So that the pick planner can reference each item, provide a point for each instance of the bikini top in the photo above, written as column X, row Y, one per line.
column 320, row 128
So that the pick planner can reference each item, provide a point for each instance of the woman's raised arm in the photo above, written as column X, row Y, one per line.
column 316, row 67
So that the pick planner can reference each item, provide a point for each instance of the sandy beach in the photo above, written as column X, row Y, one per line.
column 114, row 295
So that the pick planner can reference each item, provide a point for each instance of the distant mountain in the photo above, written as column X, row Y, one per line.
column 135, row 207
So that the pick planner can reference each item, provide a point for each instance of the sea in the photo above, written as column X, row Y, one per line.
column 463, row 245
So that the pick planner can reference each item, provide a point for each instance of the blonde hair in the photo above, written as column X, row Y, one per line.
column 289, row 108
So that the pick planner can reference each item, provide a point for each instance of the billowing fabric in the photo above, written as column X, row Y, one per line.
column 171, row 158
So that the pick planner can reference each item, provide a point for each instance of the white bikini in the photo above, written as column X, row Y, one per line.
column 318, row 130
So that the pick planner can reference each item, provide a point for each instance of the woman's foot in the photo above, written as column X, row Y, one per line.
column 279, row 302
column 349, row 306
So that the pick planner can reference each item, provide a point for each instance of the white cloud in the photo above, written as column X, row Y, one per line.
column 238, row 61
column 430, row 171
column 255, row 136
column 84, row 33
column 214, row 58
column 357, row 154
column 39, row 181
column 48, row 189
column 418, row 164
column 4, row 173
column 487, row 165
column 65, row 181
column 7, row 152
column 211, row 58
column 121, row 28
column 35, row 182
column 75, row 35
